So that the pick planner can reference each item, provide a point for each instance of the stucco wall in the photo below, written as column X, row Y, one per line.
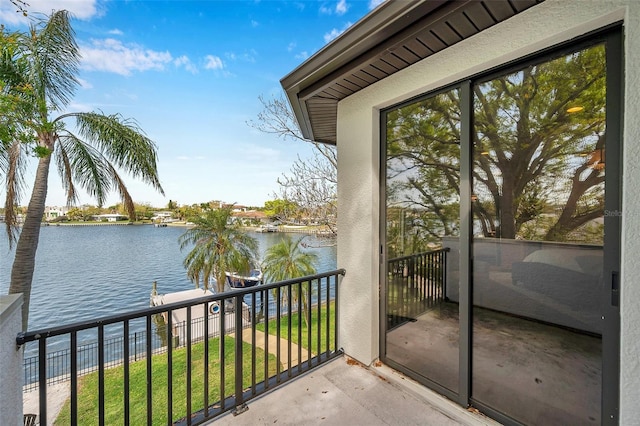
column 358, row 247
column 10, row 360
column 544, row 25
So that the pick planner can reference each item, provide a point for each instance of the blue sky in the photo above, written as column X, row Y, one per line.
column 190, row 73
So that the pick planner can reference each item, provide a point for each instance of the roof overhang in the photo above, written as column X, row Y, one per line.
column 393, row 36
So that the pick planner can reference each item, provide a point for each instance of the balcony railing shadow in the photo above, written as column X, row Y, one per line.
column 144, row 367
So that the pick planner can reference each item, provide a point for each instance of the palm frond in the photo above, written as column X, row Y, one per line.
column 65, row 170
column 216, row 247
column 122, row 142
column 90, row 169
column 54, row 56
column 12, row 64
column 16, row 95
column 14, row 184
column 120, row 186
column 286, row 260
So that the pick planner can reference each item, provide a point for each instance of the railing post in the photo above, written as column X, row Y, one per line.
column 101, row 390
column 444, row 273
column 42, row 378
column 240, row 406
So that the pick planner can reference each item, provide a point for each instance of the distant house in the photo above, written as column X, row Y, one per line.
column 252, row 216
column 110, row 217
column 162, row 217
column 51, row 213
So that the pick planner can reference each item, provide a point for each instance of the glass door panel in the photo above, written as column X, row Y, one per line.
column 422, row 238
column 538, row 230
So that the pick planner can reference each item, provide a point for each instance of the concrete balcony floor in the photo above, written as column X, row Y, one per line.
column 346, row 393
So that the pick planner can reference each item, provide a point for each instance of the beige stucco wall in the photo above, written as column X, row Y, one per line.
column 10, row 360
column 358, row 162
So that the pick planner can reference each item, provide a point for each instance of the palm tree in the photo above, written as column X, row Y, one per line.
column 38, row 69
column 286, row 260
column 218, row 246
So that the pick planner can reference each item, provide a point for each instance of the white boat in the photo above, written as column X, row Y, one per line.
column 268, row 228
column 235, row 280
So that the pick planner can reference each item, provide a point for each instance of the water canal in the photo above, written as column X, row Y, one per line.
column 86, row 272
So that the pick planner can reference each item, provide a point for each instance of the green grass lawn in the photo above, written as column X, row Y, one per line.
column 296, row 320
column 114, row 385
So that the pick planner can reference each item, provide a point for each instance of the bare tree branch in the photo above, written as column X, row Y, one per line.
column 311, row 184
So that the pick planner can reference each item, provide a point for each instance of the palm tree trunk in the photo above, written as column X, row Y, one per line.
column 221, row 279
column 24, row 263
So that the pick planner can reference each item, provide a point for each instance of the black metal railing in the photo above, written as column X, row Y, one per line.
column 59, row 361
column 240, row 344
column 416, row 283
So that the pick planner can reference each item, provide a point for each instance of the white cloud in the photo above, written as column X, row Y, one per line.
column 339, row 9
column 249, row 56
column 182, row 157
column 85, row 9
column 342, row 7
column 300, row 55
column 85, row 84
column 213, row 63
column 78, row 107
column 254, row 24
column 111, row 55
column 184, row 61
column 116, row 31
column 375, row 3
column 335, row 32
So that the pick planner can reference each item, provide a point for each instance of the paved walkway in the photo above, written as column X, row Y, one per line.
column 57, row 395
column 346, row 393
column 273, row 347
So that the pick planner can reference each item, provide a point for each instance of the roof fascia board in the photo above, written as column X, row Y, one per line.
column 359, row 38
column 389, row 18
column 300, row 111
column 386, row 46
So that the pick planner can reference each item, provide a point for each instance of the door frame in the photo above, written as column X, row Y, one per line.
column 613, row 37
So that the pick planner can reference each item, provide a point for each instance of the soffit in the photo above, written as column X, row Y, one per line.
column 392, row 37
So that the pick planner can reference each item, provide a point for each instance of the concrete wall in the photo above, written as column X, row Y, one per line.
column 10, row 360
column 542, row 26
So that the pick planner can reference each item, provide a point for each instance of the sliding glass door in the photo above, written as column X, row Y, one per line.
column 502, row 239
column 538, row 258
column 423, row 205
